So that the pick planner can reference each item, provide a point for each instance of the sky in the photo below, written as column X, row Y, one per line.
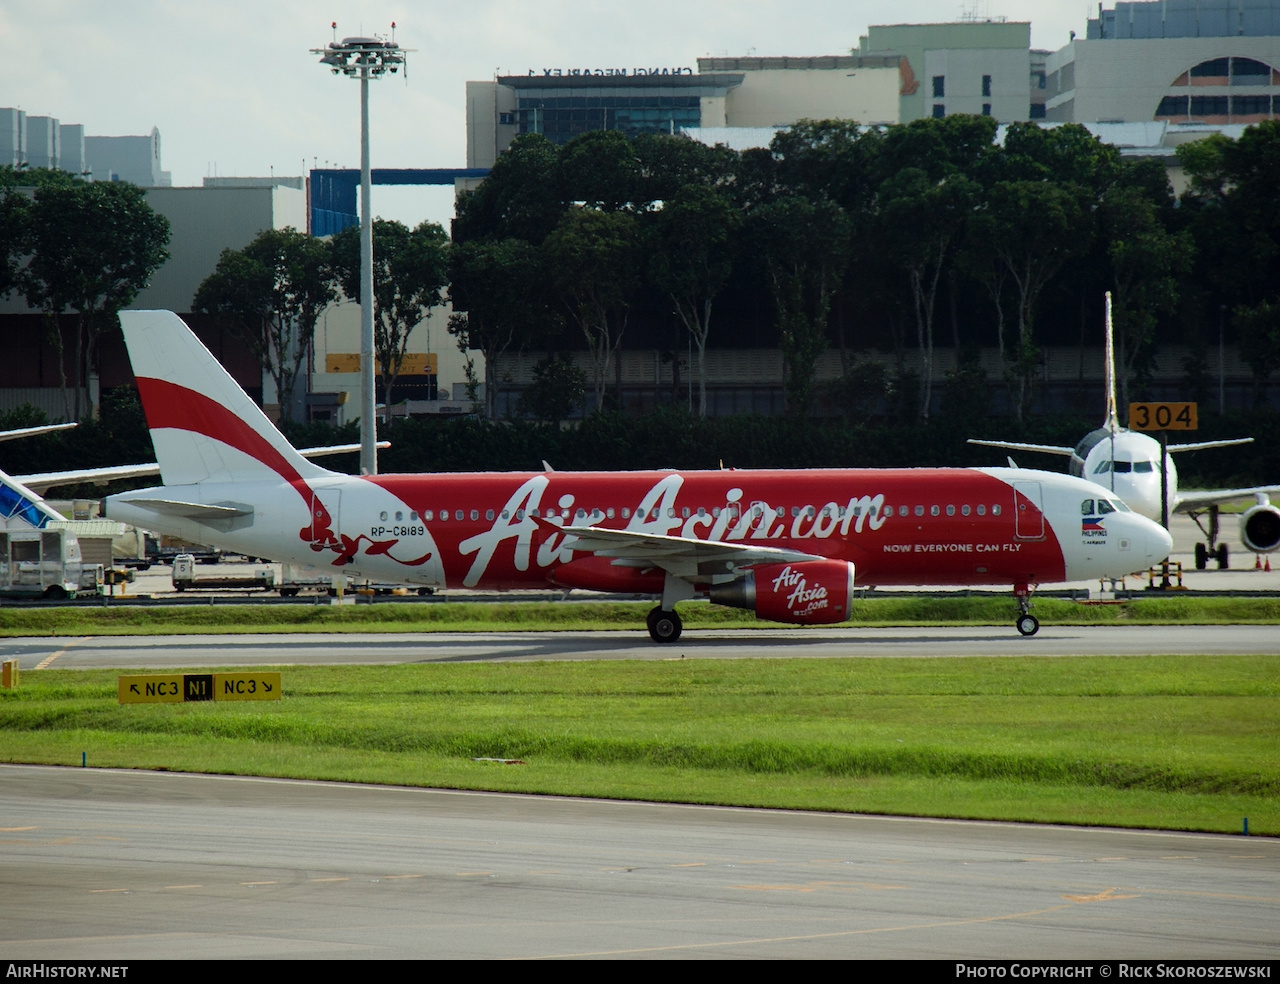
column 235, row 91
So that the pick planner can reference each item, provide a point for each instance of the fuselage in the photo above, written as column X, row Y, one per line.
column 499, row 530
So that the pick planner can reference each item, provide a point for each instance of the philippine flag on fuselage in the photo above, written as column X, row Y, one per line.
column 1091, row 524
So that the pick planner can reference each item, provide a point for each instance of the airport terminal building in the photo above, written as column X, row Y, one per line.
column 896, row 74
column 1179, row 61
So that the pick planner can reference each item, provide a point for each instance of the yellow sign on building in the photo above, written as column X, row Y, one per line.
column 414, row 364
column 418, row 364
column 342, row 362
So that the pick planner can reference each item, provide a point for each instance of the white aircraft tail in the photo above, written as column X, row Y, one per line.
column 203, row 425
column 20, row 508
column 1113, row 420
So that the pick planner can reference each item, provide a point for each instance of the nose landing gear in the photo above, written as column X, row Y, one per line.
column 1026, row 623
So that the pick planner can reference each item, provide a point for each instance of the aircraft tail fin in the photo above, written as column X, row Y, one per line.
column 1113, row 420
column 21, row 508
column 205, row 428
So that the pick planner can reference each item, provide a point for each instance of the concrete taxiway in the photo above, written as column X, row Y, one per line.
column 168, row 652
column 110, row 865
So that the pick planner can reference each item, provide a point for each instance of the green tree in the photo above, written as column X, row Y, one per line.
column 923, row 205
column 692, row 245
column 840, row 160
column 13, row 233
column 804, row 246
column 668, row 163
column 519, row 199
column 410, row 273
column 91, row 248
column 500, row 291
column 556, row 391
column 1031, row 229
column 594, row 259
column 271, row 294
column 1259, row 330
column 1148, row 263
column 600, row 169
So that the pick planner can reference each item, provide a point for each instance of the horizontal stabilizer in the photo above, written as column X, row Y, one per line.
column 192, row 510
column 45, row 481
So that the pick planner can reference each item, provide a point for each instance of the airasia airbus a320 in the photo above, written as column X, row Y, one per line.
column 784, row 544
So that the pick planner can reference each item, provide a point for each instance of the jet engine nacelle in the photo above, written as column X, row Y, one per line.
column 1260, row 528
column 817, row 592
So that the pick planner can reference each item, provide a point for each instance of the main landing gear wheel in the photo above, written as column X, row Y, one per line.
column 664, row 626
column 1202, row 556
column 1223, row 557
column 1028, row 625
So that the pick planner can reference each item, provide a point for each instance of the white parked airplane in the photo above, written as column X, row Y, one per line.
column 1127, row 463
column 784, row 544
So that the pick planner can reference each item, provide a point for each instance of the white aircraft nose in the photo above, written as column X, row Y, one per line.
column 1158, row 542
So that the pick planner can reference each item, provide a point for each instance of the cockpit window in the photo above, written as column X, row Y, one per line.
column 1103, row 468
column 1144, row 466
column 1105, row 507
column 1122, row 466
column 1086, row 507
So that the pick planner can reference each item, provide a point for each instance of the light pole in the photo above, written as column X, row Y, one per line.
column 365, row 59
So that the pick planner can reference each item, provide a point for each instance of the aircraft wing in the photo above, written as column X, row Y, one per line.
column 41, row 483
column 1210, row 444
column 13, row 435
column 682, row 556
column 1014, row 446
column 45, row 481
column 337, row 449
column 1192, row 501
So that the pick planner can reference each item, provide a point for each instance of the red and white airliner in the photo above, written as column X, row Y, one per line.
column 784, row 544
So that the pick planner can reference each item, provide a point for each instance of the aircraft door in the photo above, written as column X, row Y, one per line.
column 326, row 516
column 1028, row 508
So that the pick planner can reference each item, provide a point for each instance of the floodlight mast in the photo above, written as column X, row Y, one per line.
column 365, row 59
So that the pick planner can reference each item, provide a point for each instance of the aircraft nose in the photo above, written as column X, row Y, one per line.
column 1158, row 541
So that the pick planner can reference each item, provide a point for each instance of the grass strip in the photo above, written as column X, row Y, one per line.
column 1172, row 742
column 451, row 616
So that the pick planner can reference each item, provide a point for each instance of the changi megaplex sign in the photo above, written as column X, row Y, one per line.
column 556, row 73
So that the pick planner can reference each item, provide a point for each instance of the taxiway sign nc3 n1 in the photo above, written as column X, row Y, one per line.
column 784, row 544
